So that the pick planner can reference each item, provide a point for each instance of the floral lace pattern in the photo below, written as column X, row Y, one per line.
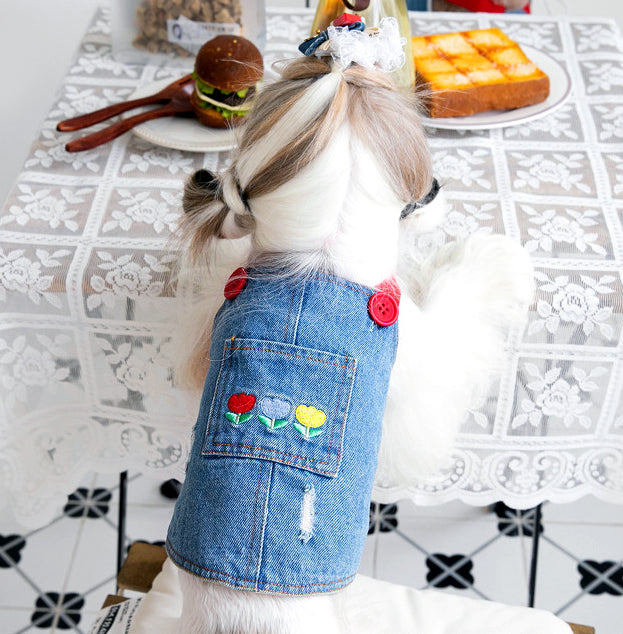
column 123, row 278
column 48, row 208
column 87, row 284
column 577, row 230
column 159, row 211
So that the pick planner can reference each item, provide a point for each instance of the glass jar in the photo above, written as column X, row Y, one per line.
column 171, row 32
column 372, row 11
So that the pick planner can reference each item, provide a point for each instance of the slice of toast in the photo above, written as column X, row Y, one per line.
column 474, row 71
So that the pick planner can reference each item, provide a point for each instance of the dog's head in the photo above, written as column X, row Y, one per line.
column 326, row 162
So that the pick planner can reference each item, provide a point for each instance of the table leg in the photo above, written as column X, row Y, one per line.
column 535, row 555
column 123, row 491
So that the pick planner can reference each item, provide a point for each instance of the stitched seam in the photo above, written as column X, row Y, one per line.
column 227, row 351
column 264, row 522
column 347, row 406
column 257, row 492
column 298, row 314
column 251, row 581
column 239, row 454
column 339, row 450
column 285, row 334
column 214, row 399
column 297, row 356
column 344, row 284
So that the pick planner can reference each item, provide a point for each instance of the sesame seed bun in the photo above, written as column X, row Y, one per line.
column 229, row 63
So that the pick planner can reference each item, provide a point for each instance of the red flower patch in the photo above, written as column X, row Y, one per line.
column 241, row 403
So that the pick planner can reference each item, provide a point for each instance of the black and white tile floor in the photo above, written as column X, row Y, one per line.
column 54, row 579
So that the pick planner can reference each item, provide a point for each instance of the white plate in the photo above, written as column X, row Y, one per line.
column 181, row 133
column 559, row 91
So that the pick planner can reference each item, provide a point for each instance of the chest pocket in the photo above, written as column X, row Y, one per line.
column 281, row 402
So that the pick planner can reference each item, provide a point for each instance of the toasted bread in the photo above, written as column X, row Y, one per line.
column 474, row 71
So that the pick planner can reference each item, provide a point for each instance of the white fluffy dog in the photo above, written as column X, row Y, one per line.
column 327, row 162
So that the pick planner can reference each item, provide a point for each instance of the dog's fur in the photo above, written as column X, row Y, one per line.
column 327, row 161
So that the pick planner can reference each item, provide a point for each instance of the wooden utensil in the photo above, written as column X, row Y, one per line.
column 91, row 118
column 179, row 104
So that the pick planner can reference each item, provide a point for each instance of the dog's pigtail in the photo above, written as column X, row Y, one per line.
column 214, row 214
column 239, row 219
column 215, row 207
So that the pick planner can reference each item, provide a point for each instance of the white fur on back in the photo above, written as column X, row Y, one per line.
column 212, row 608
column 364, row 247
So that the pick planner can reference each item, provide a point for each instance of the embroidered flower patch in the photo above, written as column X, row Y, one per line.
column 309, row 420
column 239, row 407
column 274, row 412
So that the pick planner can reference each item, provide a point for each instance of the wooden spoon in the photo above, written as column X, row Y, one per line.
column 179, row 105
column 91, row 118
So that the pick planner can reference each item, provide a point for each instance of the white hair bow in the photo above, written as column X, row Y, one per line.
column 380, row 48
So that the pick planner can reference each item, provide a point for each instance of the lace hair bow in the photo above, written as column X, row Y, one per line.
column 348, row 41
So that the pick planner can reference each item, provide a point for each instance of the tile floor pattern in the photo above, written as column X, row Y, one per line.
column 55, row 578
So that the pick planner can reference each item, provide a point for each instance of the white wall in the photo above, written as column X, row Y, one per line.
column 38, row 39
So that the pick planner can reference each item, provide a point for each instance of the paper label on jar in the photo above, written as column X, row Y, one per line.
column 191, row 35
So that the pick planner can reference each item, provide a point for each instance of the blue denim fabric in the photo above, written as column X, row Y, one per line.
column 253, row 476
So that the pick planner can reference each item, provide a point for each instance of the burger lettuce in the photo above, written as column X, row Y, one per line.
column 227, row 104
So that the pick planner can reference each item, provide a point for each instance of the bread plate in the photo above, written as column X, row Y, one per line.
column 559, row 92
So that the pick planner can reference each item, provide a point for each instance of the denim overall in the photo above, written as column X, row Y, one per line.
column 277, row 490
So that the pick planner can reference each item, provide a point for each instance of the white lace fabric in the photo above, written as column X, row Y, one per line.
column 380, row 49
column 88, row 303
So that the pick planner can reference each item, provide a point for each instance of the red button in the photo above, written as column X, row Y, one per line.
column 383, row 309
column 236, row 282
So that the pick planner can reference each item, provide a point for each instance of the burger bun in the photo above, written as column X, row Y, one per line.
column 229, row 63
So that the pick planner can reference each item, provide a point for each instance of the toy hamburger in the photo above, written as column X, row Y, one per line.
column 226, row 72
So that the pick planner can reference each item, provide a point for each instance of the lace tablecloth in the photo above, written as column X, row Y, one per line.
column 87, row 301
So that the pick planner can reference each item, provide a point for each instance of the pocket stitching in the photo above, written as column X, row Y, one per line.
column 344, row 366
column 218, row 395
column 349, row 364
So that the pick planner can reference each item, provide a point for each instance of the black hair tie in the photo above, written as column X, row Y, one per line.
column 206, row 180
column 418, row 204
